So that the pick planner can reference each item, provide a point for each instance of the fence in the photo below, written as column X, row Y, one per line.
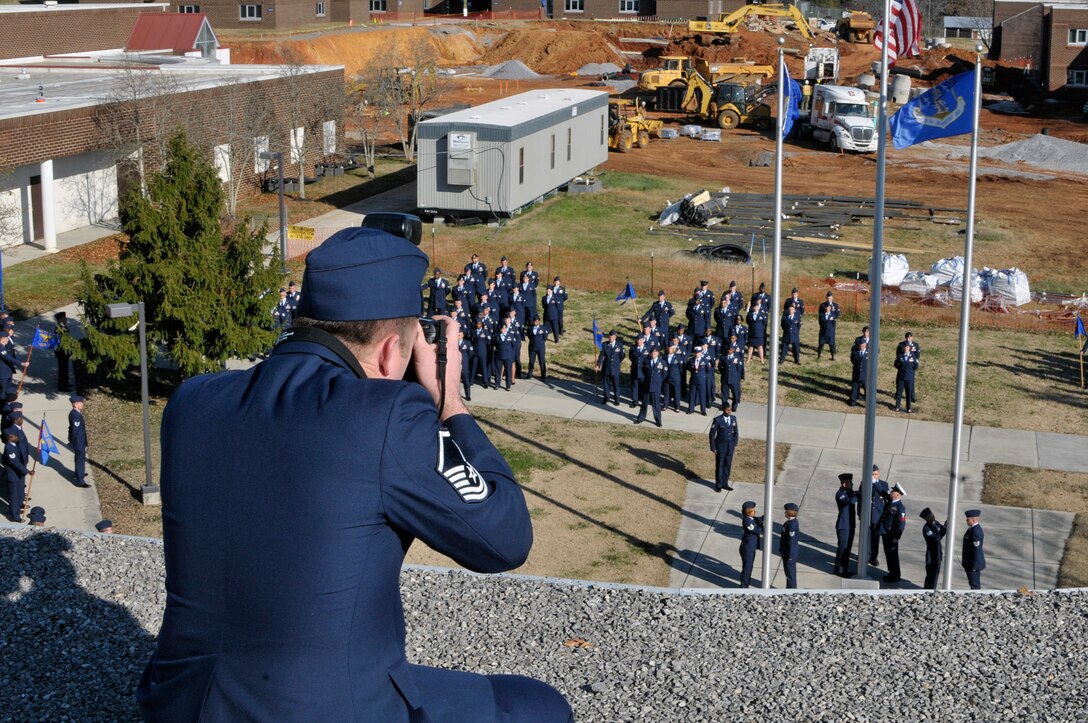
column 416, row 18
column 677, row 274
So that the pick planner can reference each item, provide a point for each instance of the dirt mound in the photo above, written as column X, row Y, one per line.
column 546, row 50
column 362, row 51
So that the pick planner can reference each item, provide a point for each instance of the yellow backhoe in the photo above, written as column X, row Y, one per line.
column 676, row 68
column 717, row 30
column 728, row 104
column 857, row 27
column 628, row 127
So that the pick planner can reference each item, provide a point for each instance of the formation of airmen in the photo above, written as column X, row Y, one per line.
column 496, row 313
column 702, row 360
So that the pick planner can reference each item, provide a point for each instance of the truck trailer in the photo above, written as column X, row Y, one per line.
column 842, row 118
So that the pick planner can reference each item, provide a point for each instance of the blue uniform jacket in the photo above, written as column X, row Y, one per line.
column 654, row 371
column 973, row 557
column 77, row 431
column 846, row 500
column 789, row 546
column 905, row 366
column 290, row 494
column 610, row 358
column 752, row 532
column 894, row 519
column 933, row 533
column 14, row 467
column 881, row 490
column 791, row 329
column 724, row 434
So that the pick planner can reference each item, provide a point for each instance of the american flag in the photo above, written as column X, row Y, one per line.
column 906, row 28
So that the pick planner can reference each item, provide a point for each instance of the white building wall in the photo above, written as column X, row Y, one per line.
column 84, row 191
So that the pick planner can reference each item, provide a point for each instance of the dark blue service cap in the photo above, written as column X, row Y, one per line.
column 75, row 398
column 12, row 430
column 789, row 507
column 362, row 274
column 925, row 513
column 846, row 478
column 37, row 514
column 973, row 513
column 104, row 524
column 749, row 505
column 15, row 415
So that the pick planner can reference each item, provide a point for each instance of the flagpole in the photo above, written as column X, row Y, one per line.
column 875, row 285
column 37, row 456
column 776, row 314
column 26, row 364
column 965, row 327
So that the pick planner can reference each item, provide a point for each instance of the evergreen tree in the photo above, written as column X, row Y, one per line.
column 205, row 293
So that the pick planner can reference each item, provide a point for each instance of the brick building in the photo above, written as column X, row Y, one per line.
column 1050, row 39
column 29, row 31
column 278, row 14
column 76, row 130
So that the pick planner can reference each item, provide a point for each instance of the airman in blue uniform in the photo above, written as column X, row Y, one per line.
column 760, row 296
column 505, row 353
column 698, row 369
column 263, row 625
column 438, row 294
column 662, row 310
column 638, row 355
column 829, row 317
column 294, row 296
column 77, row 439
column 476, row 275
column 880, row 492
column 481, row 354
column 796, row 302
column 892, row 524
column 550, row 306
column 905, row 365
column 537, row 338
column 741, row 332
column 723, row 319
column 789, row 545
column 751, row 534
column 757, row 330
column 731, row 365
column 791, row 334
column 972, row 557
column 859, row 374
column 464, row 346
column 707, row 296
column 506, row 271
column 933, row 533
column 724, row 435
column 15, row 472
column 654, row 372
column 465, row 292
column 698, row 313
column 735, row 299
column 916, row 351
column 675, row 364
column 712, row 350
column 560, row 293
column 846, row 500
column 9, row 365
column 608, row 361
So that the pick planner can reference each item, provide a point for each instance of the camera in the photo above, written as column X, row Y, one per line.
column 404, row 225
column 433, row 329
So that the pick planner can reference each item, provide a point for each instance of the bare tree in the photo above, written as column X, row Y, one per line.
column 373, row 106
column 414, row 85
column 143, row 108
column 238, row 132
column 308, row 108
column 980, row 16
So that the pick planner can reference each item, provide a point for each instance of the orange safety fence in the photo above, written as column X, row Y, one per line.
column 678, row 274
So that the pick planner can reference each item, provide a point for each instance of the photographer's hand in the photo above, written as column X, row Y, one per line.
column 425, row 363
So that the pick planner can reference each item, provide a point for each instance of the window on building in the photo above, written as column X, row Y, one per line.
column 328, row 137
column 1076, row 77
column 260, row 145
column 553, row 151
column 188, row 8
column 628, row 6
column 570, row 143
column 602, row 129
column 250, row 12
column 1078, row 36
column 221, row 156
column 574, row 6
column 320, row 10
column 521, row 165
column 377, row 6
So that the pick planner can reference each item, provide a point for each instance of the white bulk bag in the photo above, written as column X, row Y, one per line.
column 1011, row 286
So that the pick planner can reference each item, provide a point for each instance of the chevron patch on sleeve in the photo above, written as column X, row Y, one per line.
column 466, row 481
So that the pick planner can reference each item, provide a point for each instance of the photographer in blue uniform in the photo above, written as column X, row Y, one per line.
column 290, row 494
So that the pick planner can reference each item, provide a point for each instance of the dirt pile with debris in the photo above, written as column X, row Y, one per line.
column 551, row 51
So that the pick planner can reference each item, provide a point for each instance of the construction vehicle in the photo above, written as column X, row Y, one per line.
column 628, row 127
column 727, row 105
column 856, row 26
column 716, row 31
column 676, row 68
column 842, row 118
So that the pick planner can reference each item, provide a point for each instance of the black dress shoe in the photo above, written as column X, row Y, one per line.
column 658, row 423
column 638, row 421
column 729, row 488
column 717, row 488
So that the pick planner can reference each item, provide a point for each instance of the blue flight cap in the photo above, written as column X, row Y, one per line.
column 973, row 513
column 790, row 507
column 749, row 505
column 75, row 398
column 37, row 514
column 362, row 274
column 15, row 415
column 103, row 525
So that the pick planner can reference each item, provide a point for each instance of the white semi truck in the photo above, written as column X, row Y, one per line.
column 842, row 118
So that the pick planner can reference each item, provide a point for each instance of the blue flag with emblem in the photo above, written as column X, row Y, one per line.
column 627, row 293
column 793, row 104
column 44, row 340
column 942, row 111
column 49, row 445
column 598, row 338
column 1078, row 328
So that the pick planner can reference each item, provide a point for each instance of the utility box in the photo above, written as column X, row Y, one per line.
column 497, row 158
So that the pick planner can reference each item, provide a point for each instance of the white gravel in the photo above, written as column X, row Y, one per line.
column 511, row 70
column 1038, row 151
column 78, row 612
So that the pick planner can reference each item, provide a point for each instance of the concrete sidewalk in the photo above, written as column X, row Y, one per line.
column 1024, row 547
column 53, row 487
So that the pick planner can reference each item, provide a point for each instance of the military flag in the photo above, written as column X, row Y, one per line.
column 940, row 112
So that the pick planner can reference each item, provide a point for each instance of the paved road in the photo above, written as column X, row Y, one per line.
column 1024, row 547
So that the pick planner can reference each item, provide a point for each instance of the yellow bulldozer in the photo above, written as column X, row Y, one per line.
column 856, row 27
column 628, row 126
column 728, row 104
column 716, row 30
column 676, row 69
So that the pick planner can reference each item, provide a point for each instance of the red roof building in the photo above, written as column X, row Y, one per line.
column 178, row 33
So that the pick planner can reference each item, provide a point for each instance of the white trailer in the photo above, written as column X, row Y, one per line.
column 842, row 118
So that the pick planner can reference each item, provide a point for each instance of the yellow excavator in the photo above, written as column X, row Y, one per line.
column 714, row 31
column 676, row 68
column 728, row 104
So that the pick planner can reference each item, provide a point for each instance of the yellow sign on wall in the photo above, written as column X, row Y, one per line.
column 302, row 233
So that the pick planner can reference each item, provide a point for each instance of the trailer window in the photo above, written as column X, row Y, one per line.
column 521, row 165
column 553, row 151
column 570, row 143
